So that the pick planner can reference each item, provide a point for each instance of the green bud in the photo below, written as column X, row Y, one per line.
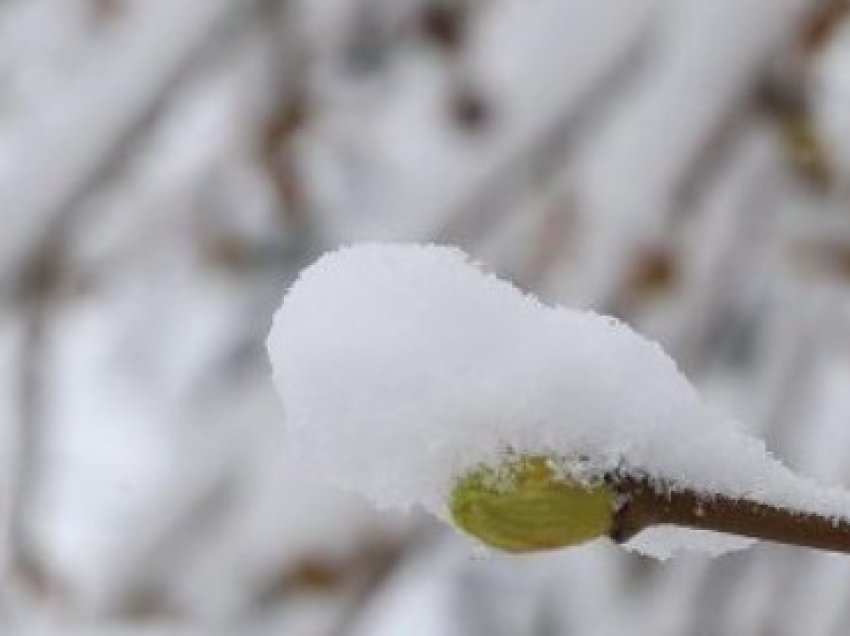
column 528, row 505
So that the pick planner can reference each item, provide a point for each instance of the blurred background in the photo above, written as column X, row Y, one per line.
column 167, row 167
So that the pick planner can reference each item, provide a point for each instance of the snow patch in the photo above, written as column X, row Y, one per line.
column 401, row 367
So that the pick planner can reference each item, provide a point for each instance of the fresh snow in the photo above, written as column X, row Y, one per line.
column 401, row 367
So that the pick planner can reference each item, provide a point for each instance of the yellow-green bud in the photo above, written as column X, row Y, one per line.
column 527, row 505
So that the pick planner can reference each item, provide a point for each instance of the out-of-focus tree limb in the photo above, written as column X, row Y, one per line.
column 51, row 152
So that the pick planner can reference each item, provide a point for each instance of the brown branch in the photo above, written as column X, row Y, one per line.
column 645, row 506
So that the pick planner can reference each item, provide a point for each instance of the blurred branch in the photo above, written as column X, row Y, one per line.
column 543, row 156
column 60, row 146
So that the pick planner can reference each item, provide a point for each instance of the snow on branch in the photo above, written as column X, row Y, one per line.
column 409, row 374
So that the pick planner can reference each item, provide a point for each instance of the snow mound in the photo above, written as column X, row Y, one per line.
column 401, row 367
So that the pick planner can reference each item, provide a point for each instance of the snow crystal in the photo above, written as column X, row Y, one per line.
column 401, row 367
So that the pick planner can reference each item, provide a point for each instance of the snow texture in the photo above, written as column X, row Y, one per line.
column 401, row 367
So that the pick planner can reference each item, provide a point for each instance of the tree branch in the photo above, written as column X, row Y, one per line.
column 645, row 506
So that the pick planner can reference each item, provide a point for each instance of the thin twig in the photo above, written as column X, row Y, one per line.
column 646, row 506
